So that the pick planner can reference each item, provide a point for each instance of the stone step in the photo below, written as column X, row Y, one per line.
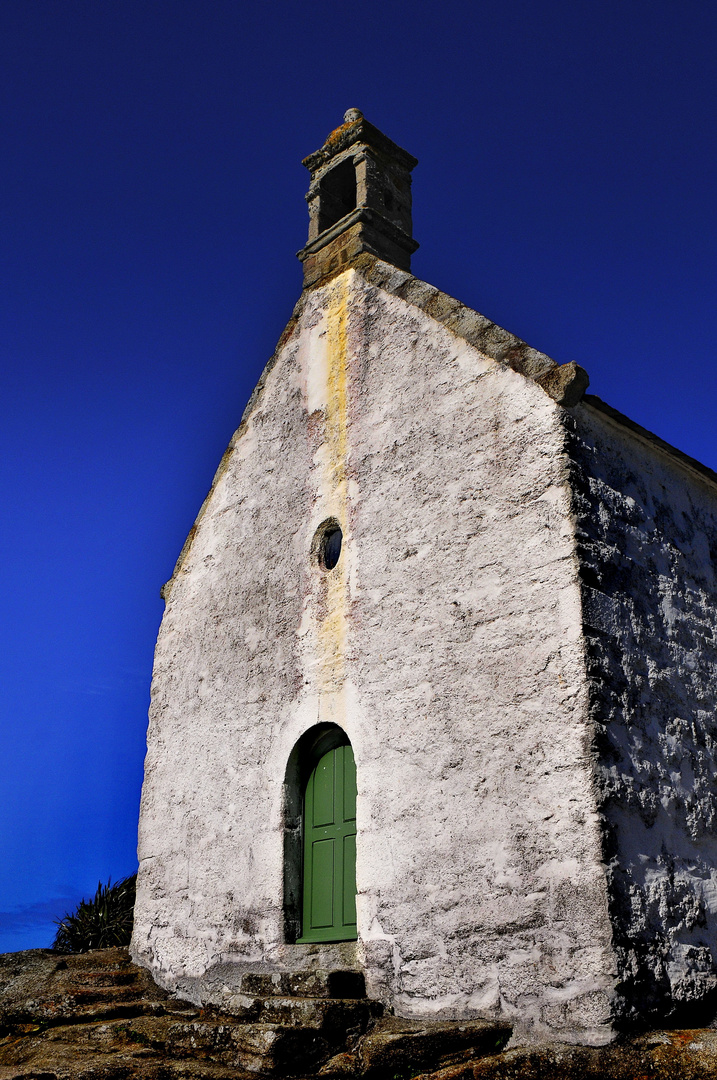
column 97, row 1015
column 69, row 1012
column 245, row 1048
column 340, row 1016
column 98, row 994
column 75, row 971
column 255, row 1048
column 398, row 1047
column 99, row 978
column 337, row 1019
column 314, row 984
column 116, row 1052
column 40, row 987
column 102, row 1052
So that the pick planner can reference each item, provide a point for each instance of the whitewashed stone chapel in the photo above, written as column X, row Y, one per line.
column 434, row 691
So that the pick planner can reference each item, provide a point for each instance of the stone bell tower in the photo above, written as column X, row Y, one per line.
column 359, row 200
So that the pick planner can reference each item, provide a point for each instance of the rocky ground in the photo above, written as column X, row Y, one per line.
column 99, row 1017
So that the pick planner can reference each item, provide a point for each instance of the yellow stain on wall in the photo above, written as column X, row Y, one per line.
column 332, row 611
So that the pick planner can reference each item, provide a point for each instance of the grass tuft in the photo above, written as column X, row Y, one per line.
column 100, row 923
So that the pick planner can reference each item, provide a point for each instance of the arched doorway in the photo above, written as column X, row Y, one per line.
column 323, row 769
column 329, row 863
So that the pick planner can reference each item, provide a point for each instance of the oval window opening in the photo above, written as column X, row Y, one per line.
column 331, row 547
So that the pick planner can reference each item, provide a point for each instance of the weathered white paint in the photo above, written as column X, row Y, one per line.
column 647, row 532
column 447, row 643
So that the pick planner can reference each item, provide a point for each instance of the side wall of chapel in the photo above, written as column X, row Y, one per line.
column 647, row 542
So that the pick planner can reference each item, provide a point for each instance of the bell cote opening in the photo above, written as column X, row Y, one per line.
column 359, row 201
column 337, row 196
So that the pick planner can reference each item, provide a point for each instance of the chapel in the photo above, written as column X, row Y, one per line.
column 434, row 690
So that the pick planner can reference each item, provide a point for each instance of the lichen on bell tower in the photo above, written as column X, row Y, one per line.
column 359, row 200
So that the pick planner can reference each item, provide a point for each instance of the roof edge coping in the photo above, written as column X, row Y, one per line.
column 592, row 401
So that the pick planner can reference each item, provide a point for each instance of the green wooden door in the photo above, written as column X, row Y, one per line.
column 329, row 900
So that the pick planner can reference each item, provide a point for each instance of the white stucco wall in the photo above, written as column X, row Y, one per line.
column 448, row 645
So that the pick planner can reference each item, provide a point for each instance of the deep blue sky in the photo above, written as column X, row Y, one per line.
column 152, row 202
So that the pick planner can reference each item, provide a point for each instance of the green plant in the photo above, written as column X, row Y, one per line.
column 99, row 923
column 134, row 1036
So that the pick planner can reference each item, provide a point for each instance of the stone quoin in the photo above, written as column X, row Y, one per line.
column 434, row 691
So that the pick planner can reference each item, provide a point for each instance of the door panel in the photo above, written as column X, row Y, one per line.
column 322, row 871
column 349, row 799
column 348, row 899
column 329, row 885
column 324, row 791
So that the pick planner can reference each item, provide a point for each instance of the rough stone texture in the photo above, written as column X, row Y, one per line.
column 565, row 383
column 406, row 1047
column 353, row 237
column 448, row 646
column 40, row 987
column 99, row 1015
column 647, row 542
column 313, row 984
column 661, row 1055
column 369, row 211
column 177, row 1042
column 77, row 1017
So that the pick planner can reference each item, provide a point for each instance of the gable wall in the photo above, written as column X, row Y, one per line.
column 647, row 539
column 447, row 644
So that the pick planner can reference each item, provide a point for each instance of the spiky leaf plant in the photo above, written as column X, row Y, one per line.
column 99, row 923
